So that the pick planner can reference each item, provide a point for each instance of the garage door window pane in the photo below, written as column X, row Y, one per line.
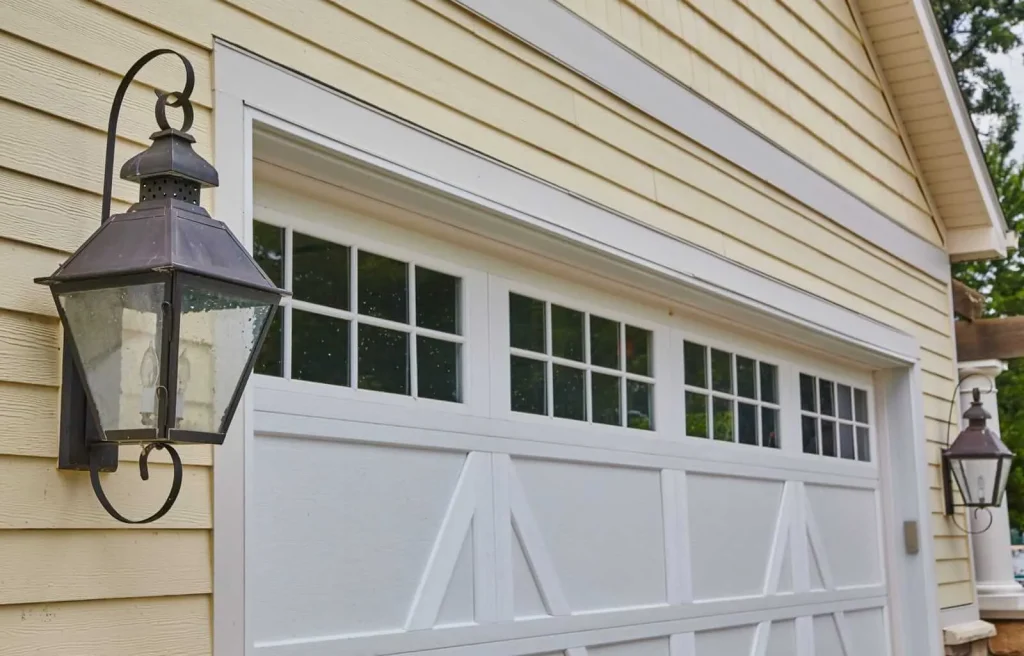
column 640, row 405
column 383, row 360
column 437, row 369
column 840, row 415
column 747, row 423
column 270, row 361
column 696, row 414
column 526, row 323
column 769, row 383
column 721, row 371
column 566, row 333
column 746, row 377
column 695, row 364
column 383, row 287
column 570, row 392
column 604, row 342
column 722, row 420
column 828, row 438
column 808, row 397
column 320, row 271
column 846, row 446
column 809, row 431
column 437, row 301
column 268, row 250
column 320, row 348
column 529, row 385
column 769, row 428
column 638, row 351
column 863, row 444
column 607, row 399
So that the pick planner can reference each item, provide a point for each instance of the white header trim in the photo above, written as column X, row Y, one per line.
column 578, row 45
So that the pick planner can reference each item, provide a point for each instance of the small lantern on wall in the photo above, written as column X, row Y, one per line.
column 978, row 461
column 164, row 310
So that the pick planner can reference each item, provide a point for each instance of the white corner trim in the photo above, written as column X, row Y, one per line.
column 964, row 125
column 580, row 46
column 976, row 243
column 336, row 123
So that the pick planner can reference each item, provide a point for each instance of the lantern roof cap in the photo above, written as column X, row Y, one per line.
column 170, row 155
column 163, row 235
column 977, row 440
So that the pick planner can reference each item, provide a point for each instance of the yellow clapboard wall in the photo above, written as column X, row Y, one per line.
column 436, row 65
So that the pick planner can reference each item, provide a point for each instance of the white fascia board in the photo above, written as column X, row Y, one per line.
column 962, row 117
column 578, row 45
column 976, row 243
column 346, row 128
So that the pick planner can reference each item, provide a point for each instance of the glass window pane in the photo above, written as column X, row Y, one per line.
column 696, row 415
column 769, row 383
column 746, row 420
column 437, row 301
column 695, row 364
column 320, row 271
column 319, row 348
column 437, row 369
column 526, row 323
column 570, row 392
column 807, row 396
column 828, row 438
column 809, row 431
column 270, row 361
column 383, row 360
column 844, row 400
column 118, row 333
column 529, row 386
column 268, row 250
column 383, row 287
column 639, row 405
column 721, row 371
column 746, row 377
column 638, row 351
column 769, row 427
column 846, row 448
column 723, row 423
column 607, row 399
column 566, row 333
column 826, row 398
column 604, row 343
column 860, row 402
column 863, row 445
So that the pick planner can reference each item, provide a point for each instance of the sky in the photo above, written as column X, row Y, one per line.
column 1012, row 65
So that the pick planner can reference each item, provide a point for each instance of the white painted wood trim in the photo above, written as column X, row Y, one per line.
column 675, row 506
column 578, row 45
column 304, row 109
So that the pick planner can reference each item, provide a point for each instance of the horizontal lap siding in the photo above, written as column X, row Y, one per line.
column 430, row 63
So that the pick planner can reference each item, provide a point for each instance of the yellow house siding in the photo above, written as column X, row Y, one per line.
column 437, row 66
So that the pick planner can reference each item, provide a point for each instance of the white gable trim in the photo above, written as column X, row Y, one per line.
column 578, row 45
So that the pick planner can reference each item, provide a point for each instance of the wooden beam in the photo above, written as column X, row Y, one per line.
column 990, row 339
column 968, row 303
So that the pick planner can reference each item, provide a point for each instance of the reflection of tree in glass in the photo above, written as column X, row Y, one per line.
column 383, row 287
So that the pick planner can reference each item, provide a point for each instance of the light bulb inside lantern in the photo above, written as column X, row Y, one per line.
column 981, row 489
column 148, row 373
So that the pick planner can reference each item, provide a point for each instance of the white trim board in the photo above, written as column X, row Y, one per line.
column 578, row 45
column 403, row 157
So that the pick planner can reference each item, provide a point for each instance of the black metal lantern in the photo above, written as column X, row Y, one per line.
column 978, row 461
column 164, row 310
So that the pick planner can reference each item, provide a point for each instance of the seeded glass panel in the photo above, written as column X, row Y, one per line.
column 809, row 431
column 722, row 419
column 383, row 287
column 769, row 427
column 570, row 392
column 528, row 382
column 846, row 448
column 826, row 397
column 268, row 250
column 383, row 360
column 746, row 377
column 607, row 399
column 638, row 351
column 270, row 362
column 320, row 271
column 863, row 445
column 807, row 395
column 437, row 301
column 639, row 405
column 769, row 383
column 566, row 333
column 526, row 323
column 319, row 348
column 696, row 415
column 721, row 371
column 437, row 369
column 695, row 364
column 604, row 343
column 860, row 402
column 844, row 401
column 747, row 423
column 828, row 438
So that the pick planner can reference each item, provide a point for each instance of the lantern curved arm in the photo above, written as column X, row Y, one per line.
column 164, row 100
column 968, row 531
column 94, row 476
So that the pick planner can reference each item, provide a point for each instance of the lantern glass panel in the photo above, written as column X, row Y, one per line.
column 218, row 333
column 1004, row 478
column 118, row 333
column 976, row 478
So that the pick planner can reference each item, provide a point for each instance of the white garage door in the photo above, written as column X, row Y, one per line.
column 456, row 454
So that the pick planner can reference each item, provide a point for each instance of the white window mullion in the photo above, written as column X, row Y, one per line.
column 788, row 432
column 549, row 387
column 623, row 395
column 669, row 393
column 587, row 380
column 413, row 367
column 353, row 328
column 286, row 323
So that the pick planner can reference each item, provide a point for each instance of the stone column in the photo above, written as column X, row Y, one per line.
column 999, row 594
